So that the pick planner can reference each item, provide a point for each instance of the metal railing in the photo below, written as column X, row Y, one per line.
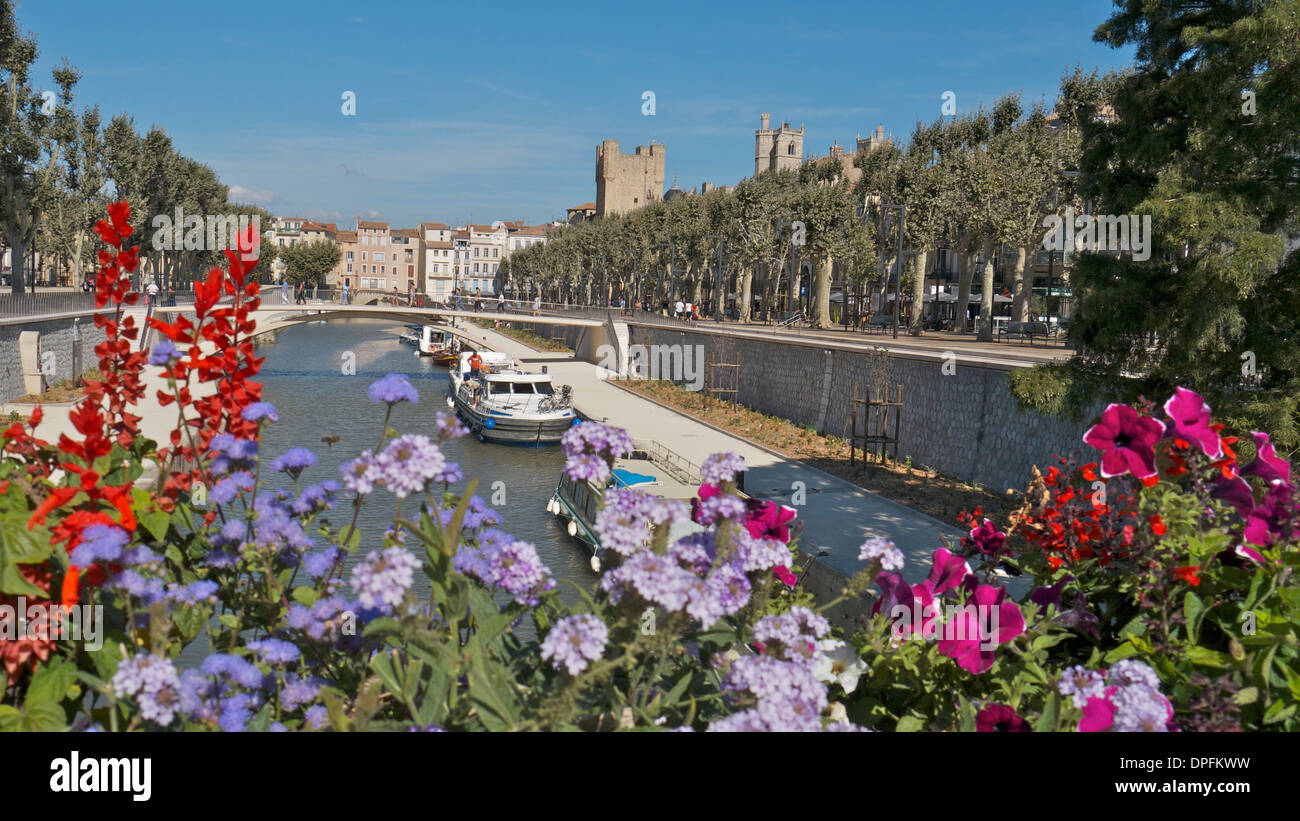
column 676, row 465
column 38, row 304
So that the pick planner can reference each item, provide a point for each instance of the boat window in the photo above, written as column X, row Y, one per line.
column 544, row 388
column 523, row 387
column 498, row 387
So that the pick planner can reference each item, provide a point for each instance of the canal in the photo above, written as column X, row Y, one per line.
column 316, row 396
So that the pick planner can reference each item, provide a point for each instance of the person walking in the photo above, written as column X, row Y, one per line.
column 678, row 307
column 151, row 293
column 171, row 296
column 501, row 303
column 537, row 305
column 345, row 292
column 284, row 292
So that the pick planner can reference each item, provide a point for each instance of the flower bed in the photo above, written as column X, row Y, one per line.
column 1164, row 598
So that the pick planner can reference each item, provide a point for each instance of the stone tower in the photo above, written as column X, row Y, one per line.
column 777, row 149
column 625, row 182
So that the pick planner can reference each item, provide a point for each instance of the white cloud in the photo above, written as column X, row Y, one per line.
column 239, row 193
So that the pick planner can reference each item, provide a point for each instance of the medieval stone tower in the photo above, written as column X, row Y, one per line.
column 625, row 182
column 777, row 149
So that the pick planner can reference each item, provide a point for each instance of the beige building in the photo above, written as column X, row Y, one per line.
column 625, row 182
column 581, row 213
column 846, row 159
column 777, row 149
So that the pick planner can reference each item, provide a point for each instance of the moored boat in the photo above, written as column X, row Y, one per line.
column 652, row 468
column 505, row 403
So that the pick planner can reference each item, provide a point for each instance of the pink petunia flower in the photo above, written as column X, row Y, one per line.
column 1127, row 441
column 988, row 538
column 1189, row 418
column 965, row 637
column 1267, row 465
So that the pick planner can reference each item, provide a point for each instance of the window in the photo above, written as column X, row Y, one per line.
column 791, row 150
column 475, row 252
column 379, row 256
column 495, row 252
column 410, row 270
column 349, row 267
column 349, row 256
column 363, row 256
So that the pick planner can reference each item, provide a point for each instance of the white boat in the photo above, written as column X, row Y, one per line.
column 436, row 343
column 652, row 468
column 505, row 403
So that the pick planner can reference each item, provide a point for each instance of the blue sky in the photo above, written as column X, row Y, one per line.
column 494, row 111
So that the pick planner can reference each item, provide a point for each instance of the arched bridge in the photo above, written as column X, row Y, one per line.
column 596, row 332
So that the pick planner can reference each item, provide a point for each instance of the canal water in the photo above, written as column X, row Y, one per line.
column 315, row 396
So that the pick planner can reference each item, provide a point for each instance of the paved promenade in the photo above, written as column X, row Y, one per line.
column 838, row 516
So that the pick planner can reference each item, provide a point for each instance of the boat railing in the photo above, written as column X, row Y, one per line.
column 677, row 466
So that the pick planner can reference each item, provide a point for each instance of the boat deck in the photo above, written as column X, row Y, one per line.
column 667, row 485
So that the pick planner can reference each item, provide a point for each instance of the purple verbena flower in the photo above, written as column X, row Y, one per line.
column 574, row 641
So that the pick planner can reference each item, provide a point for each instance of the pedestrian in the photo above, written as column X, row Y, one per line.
column 678, row 308
column 537, row 305
column 690, row 311
column 151, row 293
column 345, row 292
column 410, row 293
column 501, row 303
column 171, row 296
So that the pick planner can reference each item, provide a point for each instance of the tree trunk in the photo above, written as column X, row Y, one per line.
column 965, row 267
column 986, row 297
column 746, row 283
column 796, row 286
column 17, row 252
column 1020, row 308
column 822, row 306
column 918, row 291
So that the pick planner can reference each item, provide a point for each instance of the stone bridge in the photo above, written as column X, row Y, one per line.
column 596, row 332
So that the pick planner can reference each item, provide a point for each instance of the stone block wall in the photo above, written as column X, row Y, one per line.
column 965, row 424
column 56, row 336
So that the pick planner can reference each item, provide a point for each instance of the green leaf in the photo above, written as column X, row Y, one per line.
column 229, row 620
column 1280, row 711
column 51, row 682
column 21, row 545
column 388, row 668
column 156, row 523
column 1194, row 611
column 909, row 724
column 1205, row 657
column 1246, row 695
column 305, row 596
column 44, row 718
column 1046, row 722
column 490, row 689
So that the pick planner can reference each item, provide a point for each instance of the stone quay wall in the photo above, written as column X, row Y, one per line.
column 964, row 424
column 56, row 336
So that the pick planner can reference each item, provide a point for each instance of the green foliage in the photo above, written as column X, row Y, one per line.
column 1203, row 140
column 310, row 262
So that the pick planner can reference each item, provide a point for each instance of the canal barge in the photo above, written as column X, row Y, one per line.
column 505, row 403
column 652, row 468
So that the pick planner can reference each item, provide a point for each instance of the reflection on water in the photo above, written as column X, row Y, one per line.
column 316, row 396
